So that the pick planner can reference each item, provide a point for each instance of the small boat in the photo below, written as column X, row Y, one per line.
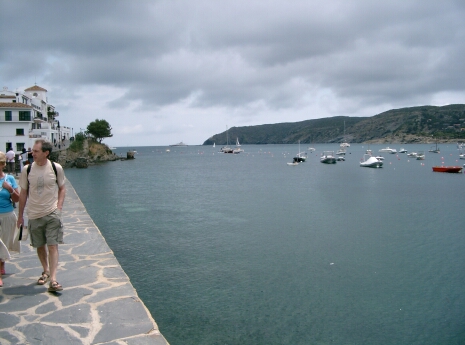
column 327, row 157
column 301, row 156
column 311, row 149
column 402, row 150
column 388, row 150
column 412, row 154
column 380, row 158
column 343, row 145
column 435, row 150
column 420, row 156
column 448, row 169
column 214, row 144
column 341, row 152
column 462, row 156
column 227, row 149
column 238, row 148
column 370, row 162
column 294, row 162
column 180, row 144
column 341, row 158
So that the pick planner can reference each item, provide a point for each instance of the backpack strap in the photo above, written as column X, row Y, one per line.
column 29, row 166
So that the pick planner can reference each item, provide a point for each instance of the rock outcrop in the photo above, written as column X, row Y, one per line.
column 92, row 153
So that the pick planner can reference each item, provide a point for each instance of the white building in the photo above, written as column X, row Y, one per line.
column 25, row 117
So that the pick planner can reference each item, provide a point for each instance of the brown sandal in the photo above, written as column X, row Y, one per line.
column 54, row 286
column 43, row 278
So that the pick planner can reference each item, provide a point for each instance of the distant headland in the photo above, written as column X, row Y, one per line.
column 423, row 124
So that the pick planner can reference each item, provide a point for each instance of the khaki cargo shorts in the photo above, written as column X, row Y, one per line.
column 46, row 230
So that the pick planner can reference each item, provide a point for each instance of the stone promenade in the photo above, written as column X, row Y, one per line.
column 98, row 305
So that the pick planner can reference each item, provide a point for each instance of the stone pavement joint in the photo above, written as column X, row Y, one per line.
column 98, row 305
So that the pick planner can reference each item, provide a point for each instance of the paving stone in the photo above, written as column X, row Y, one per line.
column 39, row 333
column 5, row 336
column 124, row 318
column 98, row 304
column 83, row 332
column 7, row 320
column 23, row 303
column 107, row 294
column 76, row 314
column 46, row 308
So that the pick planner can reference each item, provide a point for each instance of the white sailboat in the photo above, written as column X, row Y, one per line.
column 214, row 144
column 343, row 145
column 238, row 148
column 301, row 156
column 227, row 149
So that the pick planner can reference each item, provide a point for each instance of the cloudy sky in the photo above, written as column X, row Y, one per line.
column 166, row 71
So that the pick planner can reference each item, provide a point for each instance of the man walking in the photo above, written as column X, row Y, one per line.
column 10, row 160
column 43, row 188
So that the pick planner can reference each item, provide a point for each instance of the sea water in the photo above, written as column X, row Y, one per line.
column 245, row 249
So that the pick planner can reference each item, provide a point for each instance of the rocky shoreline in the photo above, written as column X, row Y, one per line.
column 91, row 154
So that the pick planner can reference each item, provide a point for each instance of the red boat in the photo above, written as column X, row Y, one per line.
column 451, row 169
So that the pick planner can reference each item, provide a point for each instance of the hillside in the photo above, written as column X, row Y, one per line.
column 406, row 125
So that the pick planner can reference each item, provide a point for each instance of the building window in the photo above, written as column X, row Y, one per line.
column 8, row 116
column 19, row 146
column 24, row 116
column 19, row 131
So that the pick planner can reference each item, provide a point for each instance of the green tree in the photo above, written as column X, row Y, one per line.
column 99, row 129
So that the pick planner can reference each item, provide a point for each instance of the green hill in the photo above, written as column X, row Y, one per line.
column 405, row 125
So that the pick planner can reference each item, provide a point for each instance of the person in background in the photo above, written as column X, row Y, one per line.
column 44, row 192
column 8, row 239
column 30, row 158
column 24, row 155
column 10, row 160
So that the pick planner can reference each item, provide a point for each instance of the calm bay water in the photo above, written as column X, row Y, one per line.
column 244, row 249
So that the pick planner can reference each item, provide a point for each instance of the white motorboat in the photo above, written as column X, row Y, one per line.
column 462, row 156
column 341, row 158
column 371, row 162
column 344, row 145
column 388, row 150
column 420, row 155
column 402, row 150
column 341, row 152
column 412, row 154
column 311, row 149
column 327, row 157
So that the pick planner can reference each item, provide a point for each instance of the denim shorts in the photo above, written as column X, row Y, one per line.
column 46, row 230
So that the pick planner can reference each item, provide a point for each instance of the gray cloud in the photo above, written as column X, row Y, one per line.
column 238, row 61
